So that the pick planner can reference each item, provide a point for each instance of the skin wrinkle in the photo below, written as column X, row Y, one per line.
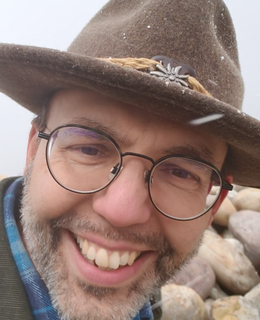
column 44, row 240
column 49, row 212
column 205, row 154
column 202, row 153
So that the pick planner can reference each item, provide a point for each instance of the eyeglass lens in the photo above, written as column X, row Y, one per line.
column 183, row 187
column 86, row 161
column 81, row 159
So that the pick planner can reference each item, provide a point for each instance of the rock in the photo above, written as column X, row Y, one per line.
column 227, row 234
column 233, row 308
column 216, row 292
column 182, row 303
column 2, row 177
column 156, row 304
column 233, row 269
column 248, row 199
column 211, row 228
column 234, row 256
column 238, row 188
column 232, row 195
column 198, row 275
column 219, row 229
column 208, row 303
column 245, row 226
column 254, row 296
column 236, row 244
column 224, row 212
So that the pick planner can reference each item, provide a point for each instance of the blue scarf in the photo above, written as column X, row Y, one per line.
column 37, row 293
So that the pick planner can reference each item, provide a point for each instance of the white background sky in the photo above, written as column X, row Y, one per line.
column 55, row 23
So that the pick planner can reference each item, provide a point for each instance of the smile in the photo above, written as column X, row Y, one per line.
column 105, row 259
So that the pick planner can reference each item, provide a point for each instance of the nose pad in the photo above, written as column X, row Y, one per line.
column 147, row 175
column 114, row 171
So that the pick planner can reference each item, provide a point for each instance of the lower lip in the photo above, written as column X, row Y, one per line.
column 95, row 276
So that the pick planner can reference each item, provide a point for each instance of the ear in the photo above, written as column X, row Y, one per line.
column 32, row 146
column 222, row 197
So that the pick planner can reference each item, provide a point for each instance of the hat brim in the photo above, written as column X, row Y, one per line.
column 29, row 75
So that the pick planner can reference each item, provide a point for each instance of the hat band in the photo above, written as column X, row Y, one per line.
column 157, row 69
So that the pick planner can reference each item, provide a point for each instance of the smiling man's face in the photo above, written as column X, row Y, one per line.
column 69, row 235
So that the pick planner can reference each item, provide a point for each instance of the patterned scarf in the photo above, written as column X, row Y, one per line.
column 37, row 293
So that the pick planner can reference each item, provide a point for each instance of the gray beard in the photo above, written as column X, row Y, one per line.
column 74, row 299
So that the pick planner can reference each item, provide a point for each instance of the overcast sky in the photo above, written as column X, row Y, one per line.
column 55, row 23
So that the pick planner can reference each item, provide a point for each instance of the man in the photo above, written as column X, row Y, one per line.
column 128, row 159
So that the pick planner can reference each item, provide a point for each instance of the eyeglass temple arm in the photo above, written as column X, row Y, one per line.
column 43, row 135
column 227, row 186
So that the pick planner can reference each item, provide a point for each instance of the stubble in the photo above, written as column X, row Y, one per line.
column 77, row 300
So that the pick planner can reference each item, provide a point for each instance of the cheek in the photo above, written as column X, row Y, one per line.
column 184, row 236
column 48, row 199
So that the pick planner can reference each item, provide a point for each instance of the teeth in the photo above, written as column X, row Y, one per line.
column 124, row 259
column 80, row 241
column 105, row 259
column 114, row 260
column 132, row 257
column 84, row 247
column 102, row 258
column 91, row 254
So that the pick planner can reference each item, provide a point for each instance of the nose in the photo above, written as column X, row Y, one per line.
column 126, row 200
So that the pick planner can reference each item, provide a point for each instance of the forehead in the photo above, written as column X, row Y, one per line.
column 130, row 126
column 76, row 104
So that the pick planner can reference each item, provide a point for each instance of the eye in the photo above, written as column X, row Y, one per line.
column 174, row 171
column 89, row 150
column 178, row 172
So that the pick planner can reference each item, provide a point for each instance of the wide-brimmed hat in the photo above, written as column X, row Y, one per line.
column 175, row 58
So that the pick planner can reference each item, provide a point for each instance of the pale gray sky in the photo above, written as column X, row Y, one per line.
column 55, row 23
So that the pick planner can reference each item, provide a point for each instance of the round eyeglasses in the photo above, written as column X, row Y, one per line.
column 85, row 160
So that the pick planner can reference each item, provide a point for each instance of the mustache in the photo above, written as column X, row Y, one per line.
column 166, row 252
column 79, row 223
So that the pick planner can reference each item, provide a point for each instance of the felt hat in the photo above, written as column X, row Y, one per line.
column 194, row 72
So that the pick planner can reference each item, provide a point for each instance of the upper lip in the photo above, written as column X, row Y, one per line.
column 114, row 245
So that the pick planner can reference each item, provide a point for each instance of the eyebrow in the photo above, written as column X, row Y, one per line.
column 201, row 152
column 93, row 124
